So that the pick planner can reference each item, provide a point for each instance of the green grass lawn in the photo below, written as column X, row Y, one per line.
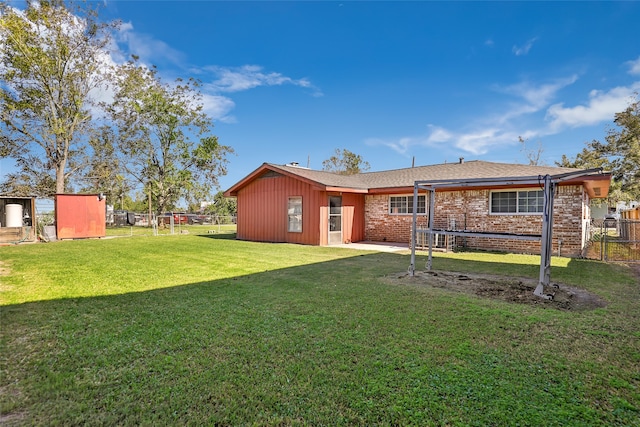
column 204, row 329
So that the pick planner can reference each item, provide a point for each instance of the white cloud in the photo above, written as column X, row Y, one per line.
column 524, row 49
column 535, row 97
column 149, row 49
column 247, row 77
column 215, row 79
column 634, row 66
column 438, row 134
column 490, row 131
column 477, row 141
column 218, row 107
column 400, row 145
column 602, row 106
column 434, row 138
column 538, row 96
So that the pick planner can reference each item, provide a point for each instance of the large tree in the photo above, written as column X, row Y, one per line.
column 620, row 153
column 622, row 148
column 51, row 59
column 345, row 162
column 164, row 137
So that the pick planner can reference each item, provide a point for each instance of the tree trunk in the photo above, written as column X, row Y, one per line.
column 60, row 177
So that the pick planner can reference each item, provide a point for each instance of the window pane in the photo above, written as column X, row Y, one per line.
column 294, row 212
column 398, row 205
column 404, row 204
column 530, row 201
column 503, row 202
column 334, row 223
column 295, row 224
column 335, row 205
column 422, row 204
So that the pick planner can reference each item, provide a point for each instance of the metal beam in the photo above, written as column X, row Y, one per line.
column 523, row 180
column 489, row 235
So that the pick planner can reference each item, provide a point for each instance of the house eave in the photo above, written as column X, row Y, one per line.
column 346, row 190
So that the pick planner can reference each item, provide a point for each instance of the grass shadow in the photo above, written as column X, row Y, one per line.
column 217, row 236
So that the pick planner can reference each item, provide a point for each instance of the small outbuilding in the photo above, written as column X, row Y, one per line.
column 80, row 216
column 17, row 219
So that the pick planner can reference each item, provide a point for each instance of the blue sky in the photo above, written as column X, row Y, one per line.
column 293, row 81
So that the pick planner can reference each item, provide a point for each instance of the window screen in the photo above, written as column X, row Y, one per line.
column 404, row 205
column 294, row 213
column 517, row 201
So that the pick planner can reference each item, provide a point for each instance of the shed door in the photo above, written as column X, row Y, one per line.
column 335, row 220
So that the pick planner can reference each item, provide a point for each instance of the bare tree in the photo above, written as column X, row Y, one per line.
column 533, row 155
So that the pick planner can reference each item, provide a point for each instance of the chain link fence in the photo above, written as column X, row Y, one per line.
column 122, row 223
column 614, row 240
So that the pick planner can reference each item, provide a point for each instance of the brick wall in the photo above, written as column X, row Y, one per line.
column 469, row 210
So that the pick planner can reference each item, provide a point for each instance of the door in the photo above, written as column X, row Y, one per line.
column 335, row 220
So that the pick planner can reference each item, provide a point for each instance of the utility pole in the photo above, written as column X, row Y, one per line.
column 149, row 199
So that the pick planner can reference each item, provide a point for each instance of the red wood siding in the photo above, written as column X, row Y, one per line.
column 80, row 216
column 353, row 217
column 262, row 210
column 324, row 220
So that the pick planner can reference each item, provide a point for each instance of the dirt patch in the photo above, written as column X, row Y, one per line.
column 515, row 290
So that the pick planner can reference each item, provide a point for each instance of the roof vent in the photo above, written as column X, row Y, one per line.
column 461, row 160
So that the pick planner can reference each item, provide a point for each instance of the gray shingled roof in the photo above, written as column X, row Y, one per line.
column 475, row 169
column 328, row 179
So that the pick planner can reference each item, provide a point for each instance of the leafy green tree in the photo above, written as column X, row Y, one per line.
column 138, row 204
column 163, row 137
column 222, row 206
column 620, row 154
column 103, row 173
column 31, row 179
column 50, row 61
column 345, row 162
column 586, row 159
column 622, row 148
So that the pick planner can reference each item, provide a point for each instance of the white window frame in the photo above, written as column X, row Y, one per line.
column 408, row 204
column 294, row 216
column 519, row 194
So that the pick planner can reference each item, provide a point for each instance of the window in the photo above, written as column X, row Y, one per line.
column 517, row 201
column 404, row 205
column 294, row 213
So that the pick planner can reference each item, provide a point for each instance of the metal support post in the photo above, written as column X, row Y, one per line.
column 432, row 204
column 414, row 230
column 547, row 238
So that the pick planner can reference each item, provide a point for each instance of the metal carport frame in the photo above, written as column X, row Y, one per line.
column 547, row 182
